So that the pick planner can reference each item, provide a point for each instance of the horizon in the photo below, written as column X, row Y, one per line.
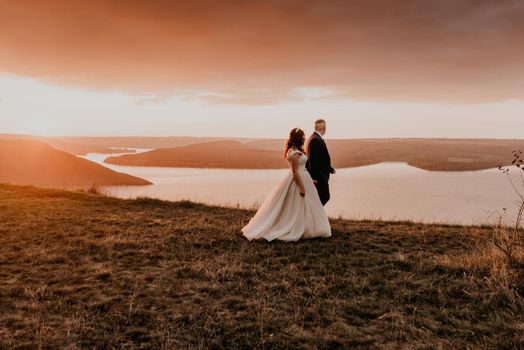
column 256, row 138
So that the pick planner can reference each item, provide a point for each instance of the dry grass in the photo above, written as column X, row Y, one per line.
column 81, row 270
column 94, row 189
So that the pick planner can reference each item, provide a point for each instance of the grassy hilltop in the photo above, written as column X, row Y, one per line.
column 82, row 270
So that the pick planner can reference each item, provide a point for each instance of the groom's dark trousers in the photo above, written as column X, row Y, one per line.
column 319, row 165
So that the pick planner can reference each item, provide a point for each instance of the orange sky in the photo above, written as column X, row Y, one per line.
column 257, row 53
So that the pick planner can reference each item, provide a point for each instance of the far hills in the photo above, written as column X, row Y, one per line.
column 428, row 154
column 152, row 142
column 70, row 145
column 226, row 154
column 248, row 153
column 33, row 162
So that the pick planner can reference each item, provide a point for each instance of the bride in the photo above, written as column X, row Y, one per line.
column 293, row 210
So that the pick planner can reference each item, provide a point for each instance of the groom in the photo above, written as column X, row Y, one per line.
column 319, row 162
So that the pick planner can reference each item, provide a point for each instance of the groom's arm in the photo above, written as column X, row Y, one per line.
column 331, row 169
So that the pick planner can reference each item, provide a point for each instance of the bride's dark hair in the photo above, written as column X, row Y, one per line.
column 296, row 139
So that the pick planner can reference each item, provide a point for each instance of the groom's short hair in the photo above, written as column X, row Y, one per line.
column 319, row 121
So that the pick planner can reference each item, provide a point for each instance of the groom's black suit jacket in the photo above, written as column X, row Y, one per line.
column 319, row 165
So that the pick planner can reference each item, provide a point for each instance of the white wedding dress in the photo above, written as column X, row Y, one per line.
column 286, row 215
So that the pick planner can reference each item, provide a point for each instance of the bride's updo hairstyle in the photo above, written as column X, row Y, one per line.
column 296, row 139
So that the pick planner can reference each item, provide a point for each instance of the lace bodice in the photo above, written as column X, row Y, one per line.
column 301, row 162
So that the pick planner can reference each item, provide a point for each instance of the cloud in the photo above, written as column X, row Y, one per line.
column 242, row 51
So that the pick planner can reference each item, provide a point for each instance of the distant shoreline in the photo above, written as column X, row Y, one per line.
column 432, row 155
column 285, row 167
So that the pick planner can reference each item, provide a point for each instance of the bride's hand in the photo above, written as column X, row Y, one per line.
column 302, row 192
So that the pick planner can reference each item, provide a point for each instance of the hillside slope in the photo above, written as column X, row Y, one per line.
column 36, row 163
column 87, row 271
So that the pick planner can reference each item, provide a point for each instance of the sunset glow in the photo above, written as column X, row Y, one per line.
column 384, row 69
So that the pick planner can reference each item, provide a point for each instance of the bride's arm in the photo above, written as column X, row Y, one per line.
column 296, row 175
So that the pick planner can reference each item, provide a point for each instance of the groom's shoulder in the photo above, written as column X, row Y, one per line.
column 314, row 137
